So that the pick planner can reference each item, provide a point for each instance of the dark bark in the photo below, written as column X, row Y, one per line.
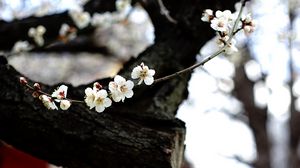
column 142, row 131
column 295, row 115
column 257, row 116
column 294, row 139
column 82, row 43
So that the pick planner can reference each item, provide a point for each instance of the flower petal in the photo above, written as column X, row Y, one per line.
column 100, row 108
column 112, row 86
column 88, row 91
column 129, row 84
column 116, row 97
column 136, row 72
column 107, row 102
column 151, row 72
column 119, row 79
column 219, row 13
column 102, row 93
column 129, row 94
column 149, row 80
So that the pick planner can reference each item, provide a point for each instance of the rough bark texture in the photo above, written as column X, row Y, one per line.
column 142, row 131
column 295, row 115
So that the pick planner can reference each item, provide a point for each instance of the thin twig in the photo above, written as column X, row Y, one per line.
column 164, row 11
column 232, row 33
column 47, row 94
column 191, row 67
column 243, row 3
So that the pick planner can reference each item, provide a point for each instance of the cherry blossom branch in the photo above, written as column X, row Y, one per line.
column 119, row 89
column 235, row 32
column 191, row 67
column 227, row 43
column 47, row 94
column 232, row 33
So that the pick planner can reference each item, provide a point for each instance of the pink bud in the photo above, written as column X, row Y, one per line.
column 23, row 81
column 37, row 86
column 35, row 94
column 142, row 65
column 97, row 85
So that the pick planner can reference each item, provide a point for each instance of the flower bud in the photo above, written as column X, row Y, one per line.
column 97, row 86
column 23, row 81
column 65, row 104
column 48, row 102
column 35, row 94
column 37, row 86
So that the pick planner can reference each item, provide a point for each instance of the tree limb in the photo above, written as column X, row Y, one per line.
column 142, row 132
column 10, row 32
column 257, row 116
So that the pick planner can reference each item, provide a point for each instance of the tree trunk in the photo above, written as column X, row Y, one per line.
column 142, row 131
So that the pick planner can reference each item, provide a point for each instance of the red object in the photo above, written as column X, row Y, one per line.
column 13, row 158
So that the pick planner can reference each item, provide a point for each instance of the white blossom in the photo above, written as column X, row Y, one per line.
column 219, row 24
column 223, row 20
column 248, row 24
column 120, row 88
column 61, row 92
column 225, row 14
column 65, row 104
column 67, row 33
column 97, row 98
column 44, row 9
column 81, row 19
column 21, row 46
column 101, row 100
column 37, row 34
column 122, row 5
column 104, row 19
column 48, row 102
column 207, row 15
column 90, row 95
column 143, row 73
column 248, row 29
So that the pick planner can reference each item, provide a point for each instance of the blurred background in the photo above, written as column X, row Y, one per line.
column 242, row 110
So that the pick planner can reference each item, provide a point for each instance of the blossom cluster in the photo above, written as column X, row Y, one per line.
column 37, row 34
column 67, row 33
column 49, row 101
column 223, row 23
column 119, row 88
column 97, row 97
column 82, row 18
